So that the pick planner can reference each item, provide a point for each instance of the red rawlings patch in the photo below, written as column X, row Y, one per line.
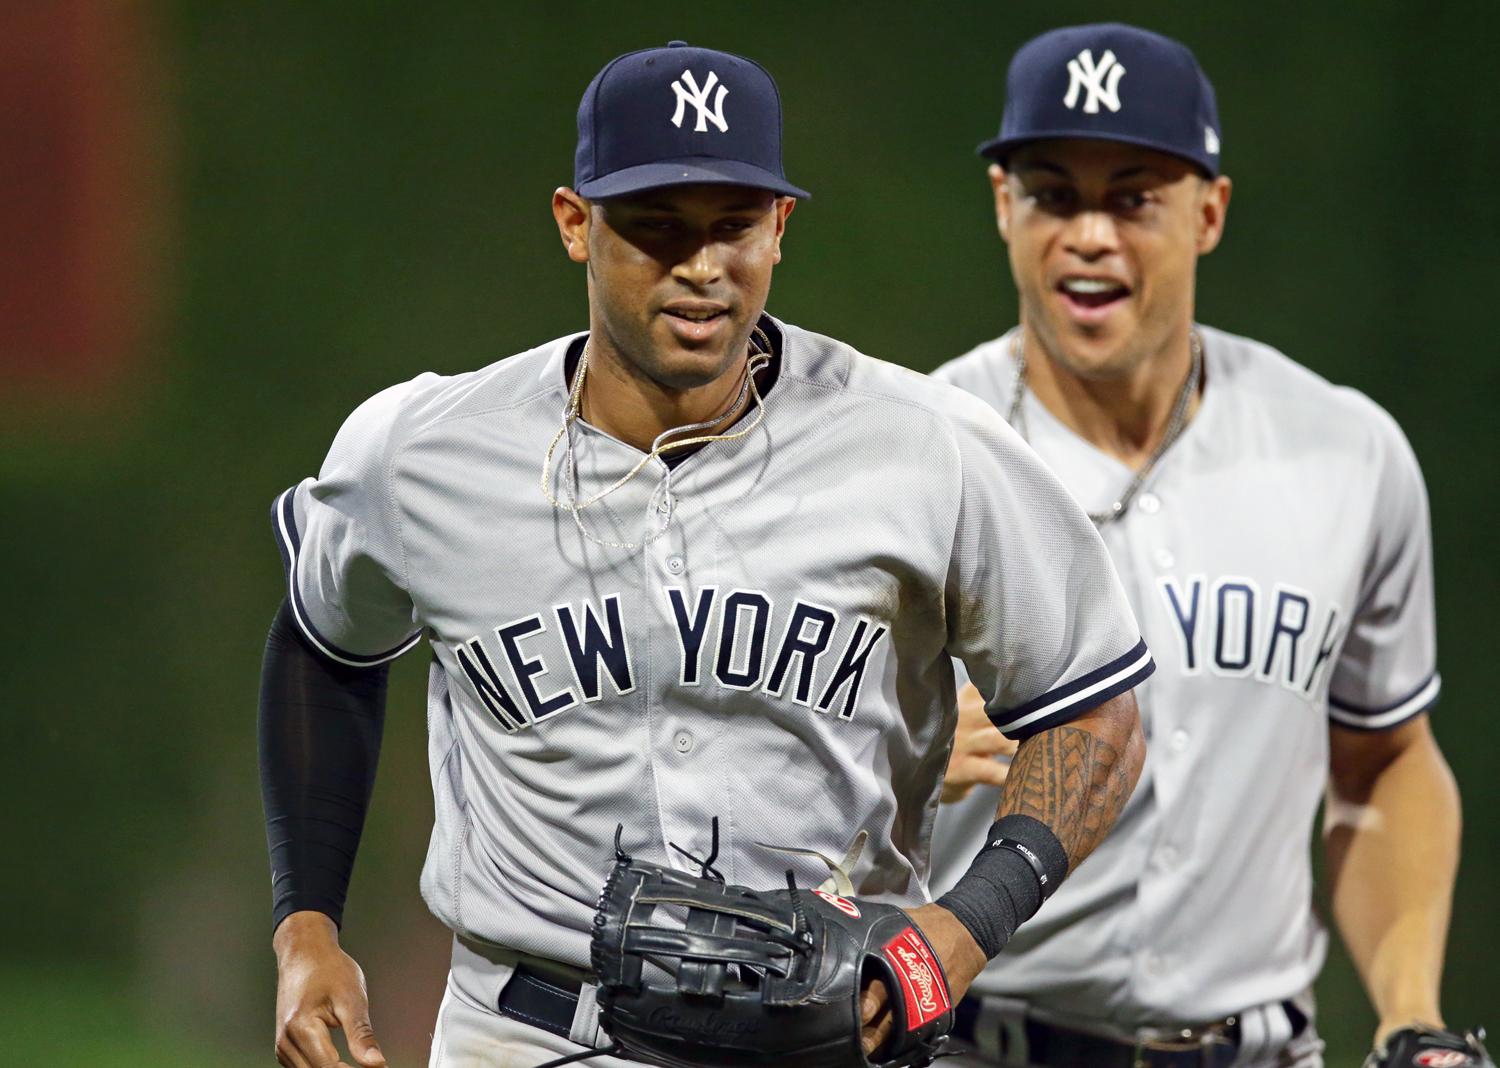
column 922, row 987
column 843, row 904
column 1442, row 1058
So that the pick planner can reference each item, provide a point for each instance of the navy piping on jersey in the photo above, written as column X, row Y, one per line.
column 1392, row 715
column 1074, row 698
column 289, row 541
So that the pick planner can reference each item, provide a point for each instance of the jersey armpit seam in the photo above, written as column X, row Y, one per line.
column 459, row 848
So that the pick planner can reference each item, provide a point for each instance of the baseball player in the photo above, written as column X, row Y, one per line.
column 1272, row 532
column 692, row 580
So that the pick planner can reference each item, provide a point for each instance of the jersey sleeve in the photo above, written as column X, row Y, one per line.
column 340, row 543
column 1038, row 616
column 1386, row 672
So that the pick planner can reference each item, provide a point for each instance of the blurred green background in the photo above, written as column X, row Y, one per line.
column 359, row 192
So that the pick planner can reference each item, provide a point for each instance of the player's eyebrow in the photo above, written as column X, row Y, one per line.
column 1137, row 171
column 1043, row 165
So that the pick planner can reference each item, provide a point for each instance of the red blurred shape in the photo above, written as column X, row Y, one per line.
column 77, row 204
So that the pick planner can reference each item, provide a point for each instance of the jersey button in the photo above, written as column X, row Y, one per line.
column 1179, row 740
column 1164, row 558
column 1150, row 503
column 1166, row 856
column 682, row 741
column 675, row 564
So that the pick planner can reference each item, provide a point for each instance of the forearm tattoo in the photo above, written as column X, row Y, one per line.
column 1073, row 782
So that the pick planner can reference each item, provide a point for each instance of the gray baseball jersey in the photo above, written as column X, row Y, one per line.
column 778, row 658
column 1280, row 565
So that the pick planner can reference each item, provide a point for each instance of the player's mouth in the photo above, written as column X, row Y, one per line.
column 1090, row 298
column 696, row 320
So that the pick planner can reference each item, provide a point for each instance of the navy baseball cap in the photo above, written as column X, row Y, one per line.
column 679, row 116
column 1113, row 82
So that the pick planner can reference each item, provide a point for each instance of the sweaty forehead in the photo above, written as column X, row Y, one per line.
column 1085, row 159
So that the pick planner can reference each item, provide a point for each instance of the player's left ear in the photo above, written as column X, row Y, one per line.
column 784, row 206
column 1213, row 206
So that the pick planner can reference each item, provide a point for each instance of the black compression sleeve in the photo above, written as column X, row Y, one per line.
column 319, row 735
column 1020, row 866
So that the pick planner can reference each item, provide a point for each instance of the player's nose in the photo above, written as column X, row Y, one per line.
column 1092, row 235
column 702, row 268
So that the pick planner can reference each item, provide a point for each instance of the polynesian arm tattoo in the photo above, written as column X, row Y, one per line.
column 1073, row 781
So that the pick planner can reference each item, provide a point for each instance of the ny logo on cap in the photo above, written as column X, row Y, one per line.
column 686, row 88
column 1102, row 82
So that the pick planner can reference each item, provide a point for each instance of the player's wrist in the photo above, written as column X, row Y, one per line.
column 1391, row 1022
column 304, row 931
column 1019, row 867
column 955, row 946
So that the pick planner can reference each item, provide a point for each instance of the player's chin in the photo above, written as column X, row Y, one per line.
column 695, row 360
column 1099, row 344
column 1104, row 354
column 680, row 368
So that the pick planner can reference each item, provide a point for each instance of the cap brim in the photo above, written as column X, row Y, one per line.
column 693, row 170
column 997, row 148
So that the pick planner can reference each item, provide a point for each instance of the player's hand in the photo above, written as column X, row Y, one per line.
column 319, row 988
column 976, row 744
column 956, row 950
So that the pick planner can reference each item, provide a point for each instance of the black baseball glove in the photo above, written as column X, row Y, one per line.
column 1424, row 1047
column 745, row 978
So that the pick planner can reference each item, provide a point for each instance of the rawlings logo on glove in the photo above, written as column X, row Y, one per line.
column 921, row 977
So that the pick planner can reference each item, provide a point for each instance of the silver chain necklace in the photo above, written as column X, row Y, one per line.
column 1175, row 426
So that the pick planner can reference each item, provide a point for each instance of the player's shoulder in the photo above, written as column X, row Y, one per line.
column 987, row 370
column 1300, row 406
column 885, row 390
column 403, row 411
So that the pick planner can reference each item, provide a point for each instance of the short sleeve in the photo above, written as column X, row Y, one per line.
column 340, row 543
column 1038, row 616
column 1387, row 670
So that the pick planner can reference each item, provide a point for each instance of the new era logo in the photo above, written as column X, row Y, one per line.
column 686, row 88
column 1100, row 81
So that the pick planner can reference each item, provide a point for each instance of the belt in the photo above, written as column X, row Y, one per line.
column 541, row 997
column 548, row 999
column 1051, row 1046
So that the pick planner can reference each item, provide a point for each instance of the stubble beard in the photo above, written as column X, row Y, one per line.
column 1132, row 351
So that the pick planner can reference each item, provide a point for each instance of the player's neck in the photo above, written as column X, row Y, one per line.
column 628, row 405
column 1125, row 417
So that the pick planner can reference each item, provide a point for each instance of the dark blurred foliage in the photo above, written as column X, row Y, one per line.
column 362, row 194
